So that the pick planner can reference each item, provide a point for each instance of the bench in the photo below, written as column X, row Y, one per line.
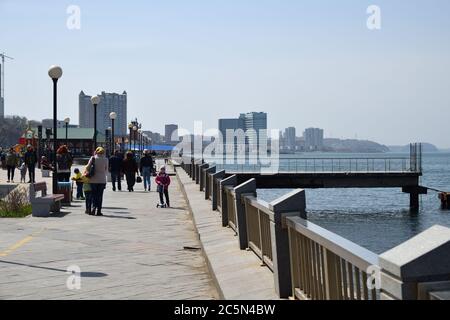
column 43, row 205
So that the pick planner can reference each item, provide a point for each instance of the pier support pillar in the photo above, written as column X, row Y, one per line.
column 414, row 192
column 230, row 181
column 247, row 188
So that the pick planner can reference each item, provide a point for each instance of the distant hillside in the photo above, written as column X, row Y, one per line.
column 353, row 146
column 426, row 147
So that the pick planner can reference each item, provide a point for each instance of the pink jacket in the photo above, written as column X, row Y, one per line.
column 163, row 180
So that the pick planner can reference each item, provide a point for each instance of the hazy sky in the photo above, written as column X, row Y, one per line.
column 305, row 63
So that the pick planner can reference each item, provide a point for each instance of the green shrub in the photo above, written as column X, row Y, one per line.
column 15, row 204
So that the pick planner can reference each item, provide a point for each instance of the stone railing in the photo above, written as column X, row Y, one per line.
column 311, row 263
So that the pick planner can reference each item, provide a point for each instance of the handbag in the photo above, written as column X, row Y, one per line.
column 138, row 179
column 91, row 171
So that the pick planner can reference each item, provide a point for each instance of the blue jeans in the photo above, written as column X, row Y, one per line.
column 97, row 195
column 79, row 190
column 147, row 177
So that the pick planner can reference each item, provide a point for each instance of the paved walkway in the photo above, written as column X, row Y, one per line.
column 134, row 252
column 238, row 274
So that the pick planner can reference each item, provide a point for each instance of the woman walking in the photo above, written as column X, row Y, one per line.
column 130, row 169
column 11, row 163
column 64, row 163
column 146, row 168
column 163, row 182
column 97, row 180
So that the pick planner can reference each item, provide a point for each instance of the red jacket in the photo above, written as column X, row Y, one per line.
column 163, row 180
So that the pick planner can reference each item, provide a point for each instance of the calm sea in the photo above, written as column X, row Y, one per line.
column 377, row 219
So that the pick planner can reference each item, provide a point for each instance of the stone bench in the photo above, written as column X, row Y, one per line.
column 43, row 205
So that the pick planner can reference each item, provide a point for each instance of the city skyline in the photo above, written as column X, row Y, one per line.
column 313, row 64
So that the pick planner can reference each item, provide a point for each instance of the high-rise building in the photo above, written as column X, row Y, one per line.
column 313, row 139
column 171, row 133
column 256, row 121
column 155, row 137
column 289, row 138
column 109, row 102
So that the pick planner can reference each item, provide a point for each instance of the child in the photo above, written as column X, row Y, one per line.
column 23, row 172
column 87, row 192
column 163, row 182
column 79, row 181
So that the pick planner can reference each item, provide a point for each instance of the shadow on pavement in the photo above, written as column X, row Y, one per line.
column 83, row 274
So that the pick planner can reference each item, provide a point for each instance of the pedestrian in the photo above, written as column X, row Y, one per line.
column 115, row 168
column 146, row 168
column 63, row 163
column 11, row 163
column 78, row 178
column 45, row 164
column 99, row 163
column 30, row 161
column 23, row 172
column 163, row 182
column 130, row 169
column 87, row 191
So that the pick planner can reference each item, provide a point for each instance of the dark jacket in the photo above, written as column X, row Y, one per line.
column 129, row 166
column 115, row 164
column 146, row 161
column 30, row 158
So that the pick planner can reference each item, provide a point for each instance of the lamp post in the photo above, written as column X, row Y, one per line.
column 55, row 72
column 140, row 140
column 130, row 127
column 95, row 100
column 67, row 121
column 134, row 137
column 113, row 117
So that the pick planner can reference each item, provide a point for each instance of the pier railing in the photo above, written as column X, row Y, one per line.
column 309, row 262
column 326, row 165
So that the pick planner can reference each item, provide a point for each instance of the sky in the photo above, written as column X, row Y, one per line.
column 310, row 63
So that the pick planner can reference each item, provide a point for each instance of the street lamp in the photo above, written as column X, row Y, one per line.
column 130, row 127
column 134, row 138
column 67, row 121
column 140, row 140
column 55, row 72
column 95, row 100
column 113, row 117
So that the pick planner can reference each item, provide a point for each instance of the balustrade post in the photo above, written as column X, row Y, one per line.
column 247, row 188
column 417, row 267
column 292, row 204
column 216, row 188
column 201, row 169
column 208, row 177
column 230, row 181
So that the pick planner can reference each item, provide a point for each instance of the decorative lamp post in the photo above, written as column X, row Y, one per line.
column 55, row 72
column 67, row 121
column 95, row 100
column 130, row 127
column 113, row 117
column 134, row 137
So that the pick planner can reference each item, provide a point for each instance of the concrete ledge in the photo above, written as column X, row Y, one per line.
column 238, row 274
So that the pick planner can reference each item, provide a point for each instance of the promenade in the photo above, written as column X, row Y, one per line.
column 135, row 251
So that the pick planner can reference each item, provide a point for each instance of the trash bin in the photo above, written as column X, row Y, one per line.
column 65, row 188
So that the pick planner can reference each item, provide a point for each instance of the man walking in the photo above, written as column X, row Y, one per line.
column 30, row 161
column 146, row 168
column 115, row 168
